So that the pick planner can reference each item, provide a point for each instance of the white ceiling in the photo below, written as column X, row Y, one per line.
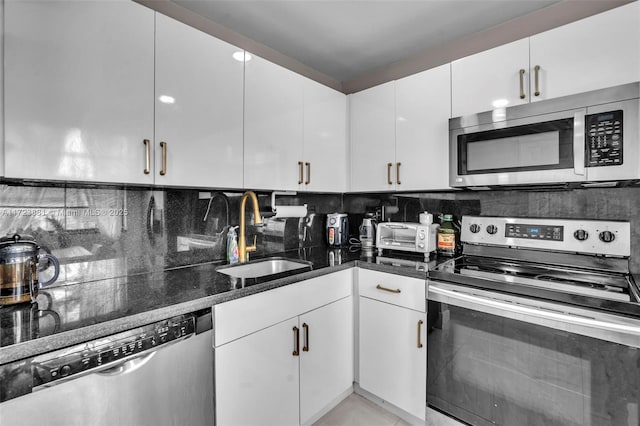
column 346, row 39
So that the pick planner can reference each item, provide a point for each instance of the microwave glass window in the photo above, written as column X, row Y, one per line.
column 538, row 149
column 530, row 147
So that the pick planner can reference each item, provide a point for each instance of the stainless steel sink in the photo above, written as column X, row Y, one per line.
column 263, row 268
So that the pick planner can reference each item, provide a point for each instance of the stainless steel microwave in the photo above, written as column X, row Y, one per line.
column 591, row 137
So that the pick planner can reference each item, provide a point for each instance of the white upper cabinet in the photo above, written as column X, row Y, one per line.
column 400, row 134
column 1, row 93
column 372, row 114
column 325, row 145
column 593, row 53
column 273, row 132
column 491, row 79
column 198, row 108
column 423, row 109
column 295, row 131
column 78, row 90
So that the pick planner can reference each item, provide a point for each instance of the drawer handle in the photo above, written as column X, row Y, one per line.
column 305, row 348
column 390, row 290
column 296, row 341
column 419, row 333
column 522, row 95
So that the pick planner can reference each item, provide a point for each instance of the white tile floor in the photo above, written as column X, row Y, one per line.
column 358, row 411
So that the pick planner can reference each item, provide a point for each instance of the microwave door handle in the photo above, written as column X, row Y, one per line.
column 578, row 142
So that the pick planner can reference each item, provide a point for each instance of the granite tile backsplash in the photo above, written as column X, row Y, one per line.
column 107, row 232
column 588, row 203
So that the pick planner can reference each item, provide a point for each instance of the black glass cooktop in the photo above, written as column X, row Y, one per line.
column 516, row 275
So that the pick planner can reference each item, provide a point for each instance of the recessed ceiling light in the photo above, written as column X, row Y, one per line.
column 165, row 99
column 242, row 56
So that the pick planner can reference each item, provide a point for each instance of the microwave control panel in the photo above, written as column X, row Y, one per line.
column 603, row 137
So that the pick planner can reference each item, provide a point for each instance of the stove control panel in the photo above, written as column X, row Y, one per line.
column 537, row 232
column 599, row 237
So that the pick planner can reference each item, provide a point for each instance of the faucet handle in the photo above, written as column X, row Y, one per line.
column 253, row 247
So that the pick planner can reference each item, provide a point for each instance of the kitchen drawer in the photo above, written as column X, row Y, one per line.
column 240, row 317
column 398, row 290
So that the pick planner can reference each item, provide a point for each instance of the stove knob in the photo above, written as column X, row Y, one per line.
column 581, row 235
column 475, row 228
column 492, row 229
column 607, row 236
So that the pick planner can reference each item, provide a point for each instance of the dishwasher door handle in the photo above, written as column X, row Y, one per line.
column 128, row 366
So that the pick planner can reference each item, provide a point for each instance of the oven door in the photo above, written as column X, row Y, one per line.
column 543, row 149
column 497, row 359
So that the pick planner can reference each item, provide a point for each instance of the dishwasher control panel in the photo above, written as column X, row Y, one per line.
column 108, row 355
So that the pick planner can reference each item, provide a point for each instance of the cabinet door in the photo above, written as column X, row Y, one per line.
column 325, row 139
column 593, row 53
column 2, row 93
column 423, row 109
column 490, row 79
column 392, row 366
column 326, row 357
column 273, row 126
column 78, row 90
column 373, row 136
column 257, row 378
column 198, row 98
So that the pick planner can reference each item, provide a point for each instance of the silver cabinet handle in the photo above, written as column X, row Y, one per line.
column 420, row 322
column 536, row 72
column 389, row 181
column 522, row 94
column 398, row 173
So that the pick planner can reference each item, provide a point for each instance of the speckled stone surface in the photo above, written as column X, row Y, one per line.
column 77, row 313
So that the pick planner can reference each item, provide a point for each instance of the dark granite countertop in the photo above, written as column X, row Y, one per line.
column 71, row 314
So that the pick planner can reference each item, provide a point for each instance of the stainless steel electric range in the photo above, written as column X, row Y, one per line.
column 537, row 322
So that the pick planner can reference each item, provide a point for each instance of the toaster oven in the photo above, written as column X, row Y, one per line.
column 406, row 236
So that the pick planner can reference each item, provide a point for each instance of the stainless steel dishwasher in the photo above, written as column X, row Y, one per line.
column 158, row 374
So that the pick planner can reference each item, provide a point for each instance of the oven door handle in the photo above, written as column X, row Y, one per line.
column 626, row 331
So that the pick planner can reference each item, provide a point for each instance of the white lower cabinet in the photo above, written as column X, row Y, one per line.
column 393, row 365
column 326, row 357
column 257, row 378
column 392, row 340
column 292, row 371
